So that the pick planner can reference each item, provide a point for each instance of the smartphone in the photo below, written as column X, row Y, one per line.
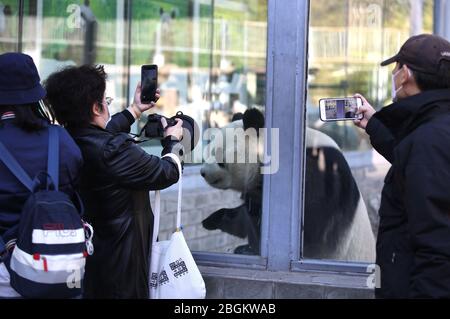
column 340, row 109
column 149, row 83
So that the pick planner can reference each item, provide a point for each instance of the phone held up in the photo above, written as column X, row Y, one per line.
column 340, row 109
column 149, row 83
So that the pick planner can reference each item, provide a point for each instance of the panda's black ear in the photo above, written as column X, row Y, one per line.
column 253, row 118
column 237, row 116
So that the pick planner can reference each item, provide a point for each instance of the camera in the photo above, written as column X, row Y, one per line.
column 153, row 129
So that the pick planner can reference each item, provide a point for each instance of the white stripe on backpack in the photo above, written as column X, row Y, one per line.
column 53, row 263
column 72, row 275
column 56, row 237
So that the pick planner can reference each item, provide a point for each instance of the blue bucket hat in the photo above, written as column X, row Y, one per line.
column 19, row 80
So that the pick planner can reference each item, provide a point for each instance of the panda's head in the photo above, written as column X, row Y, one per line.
column 223, row 174
column 245, row 177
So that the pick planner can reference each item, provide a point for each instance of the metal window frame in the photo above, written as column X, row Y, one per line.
column 282, row 233
column 440, row 24
column 287, row 49
column 287, row 68
column 315, row 265
column 290, row 51
column 20, row 28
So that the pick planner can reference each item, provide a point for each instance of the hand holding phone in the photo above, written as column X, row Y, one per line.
column 137, row 108
column 149, row 83
column 366, row 111
column 340, row 109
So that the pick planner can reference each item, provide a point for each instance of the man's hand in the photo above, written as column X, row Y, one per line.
column 137, row 108
column 176, row 130
column 366, row 110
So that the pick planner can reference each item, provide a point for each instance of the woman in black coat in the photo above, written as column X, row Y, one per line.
column 116, row 179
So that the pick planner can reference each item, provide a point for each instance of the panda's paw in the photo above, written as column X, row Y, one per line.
column 215, row 220
column 233, row 221
column 245, row 250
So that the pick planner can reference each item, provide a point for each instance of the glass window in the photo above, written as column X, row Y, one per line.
column 211, row 57
column 9, row 25
column 67, row 32
column 344, row 175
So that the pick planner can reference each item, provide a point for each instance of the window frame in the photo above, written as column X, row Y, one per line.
column 282, row 210
column 287, row 46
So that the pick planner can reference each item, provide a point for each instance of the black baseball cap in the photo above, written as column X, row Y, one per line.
column 422, row 53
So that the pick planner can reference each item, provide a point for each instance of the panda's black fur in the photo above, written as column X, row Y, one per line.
column 242, row 221
column 331, row 195
column 332, row 201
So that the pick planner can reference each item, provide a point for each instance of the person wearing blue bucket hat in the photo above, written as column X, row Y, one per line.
column 24, row 123
column 19, row 80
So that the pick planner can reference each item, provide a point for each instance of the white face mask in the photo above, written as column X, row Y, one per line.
column 109, row 118
column 394, row 90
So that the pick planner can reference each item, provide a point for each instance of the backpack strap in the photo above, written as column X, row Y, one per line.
column 15, row 167
column 2, row 249
column 52, row 164
column 17, row 170
column 53, row 155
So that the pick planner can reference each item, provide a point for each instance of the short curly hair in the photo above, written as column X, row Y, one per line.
column 73, row 91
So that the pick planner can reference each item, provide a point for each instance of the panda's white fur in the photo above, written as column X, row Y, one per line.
column 236, row 176
column 356, row 242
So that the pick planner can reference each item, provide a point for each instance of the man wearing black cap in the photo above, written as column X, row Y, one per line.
column 413, row 134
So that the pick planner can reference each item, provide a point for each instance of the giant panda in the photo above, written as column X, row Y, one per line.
column 336, row 222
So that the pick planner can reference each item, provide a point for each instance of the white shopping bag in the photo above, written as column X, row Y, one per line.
column 173, row 272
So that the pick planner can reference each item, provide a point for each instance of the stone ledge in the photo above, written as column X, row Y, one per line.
column 249, row 284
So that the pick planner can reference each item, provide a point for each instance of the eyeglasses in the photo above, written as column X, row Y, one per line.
column 108, row 100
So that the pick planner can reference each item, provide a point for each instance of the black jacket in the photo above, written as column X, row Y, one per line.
column 115, row 184
column 413, row 244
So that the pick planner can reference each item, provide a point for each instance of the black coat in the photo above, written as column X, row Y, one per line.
column 115, row 184
column 413, row 244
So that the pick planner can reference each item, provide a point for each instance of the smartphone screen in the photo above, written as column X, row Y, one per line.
column 339, row 109
column 149, row 83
